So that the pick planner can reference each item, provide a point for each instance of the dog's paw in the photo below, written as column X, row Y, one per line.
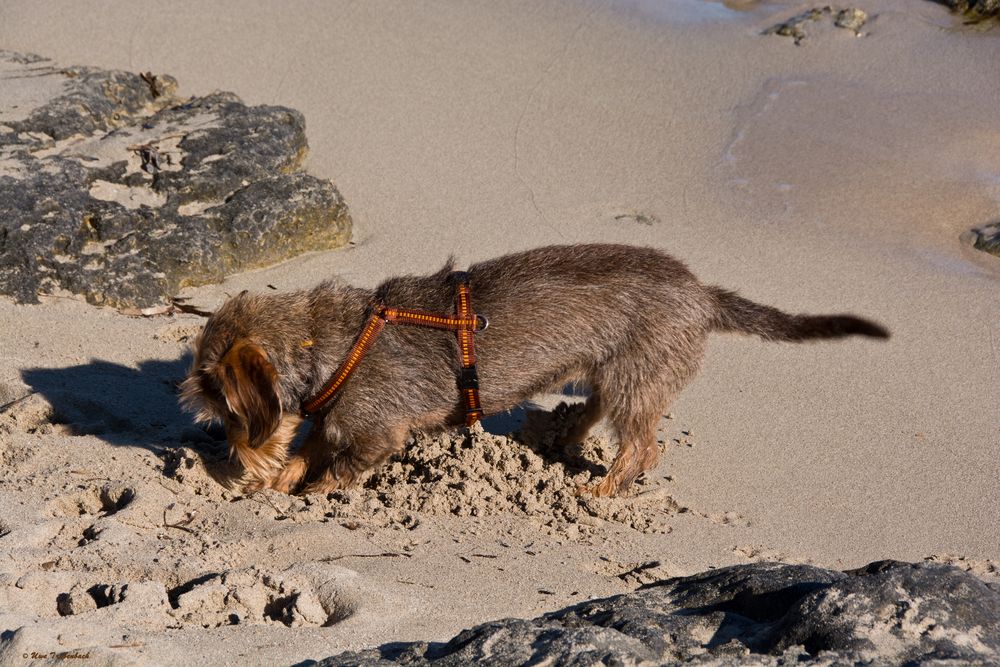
column 323, row 485
column 250, row 485
column 607, row 488
column 291, row 475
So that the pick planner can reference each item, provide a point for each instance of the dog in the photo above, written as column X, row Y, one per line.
column 630, row 323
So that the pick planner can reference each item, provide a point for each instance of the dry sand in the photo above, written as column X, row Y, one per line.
column 831, row 176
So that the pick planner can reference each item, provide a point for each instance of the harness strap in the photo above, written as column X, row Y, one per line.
column 468, row 380
column 465, row 323
column 364, row 343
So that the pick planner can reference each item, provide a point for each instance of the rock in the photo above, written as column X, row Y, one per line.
column 851, row 18
column 974, row 10
column 114, row 188
column 985, row 238
column 765, row 614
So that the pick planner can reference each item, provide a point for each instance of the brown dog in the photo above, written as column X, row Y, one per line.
column 630, row 323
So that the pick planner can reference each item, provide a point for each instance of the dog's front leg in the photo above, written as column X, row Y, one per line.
column 348, row 463
column 313, row 455
column 262, row 464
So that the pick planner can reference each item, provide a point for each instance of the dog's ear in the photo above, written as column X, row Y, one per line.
column 250, row 387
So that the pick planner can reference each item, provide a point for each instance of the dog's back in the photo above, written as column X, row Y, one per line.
column 631, row 323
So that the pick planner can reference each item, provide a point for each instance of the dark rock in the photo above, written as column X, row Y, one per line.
column 985, row 238
column 974, row 10
column 765, row 614
column 114, row 188
column 851, row 18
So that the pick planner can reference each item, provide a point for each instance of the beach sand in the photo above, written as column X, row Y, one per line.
column 832, row 176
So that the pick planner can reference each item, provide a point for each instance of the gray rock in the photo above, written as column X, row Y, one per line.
column 851, row 18
column 765, row 614
column 985, row 238
column 974, row 10
column 114, row 188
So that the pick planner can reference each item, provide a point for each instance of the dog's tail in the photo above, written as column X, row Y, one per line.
column 734, row 313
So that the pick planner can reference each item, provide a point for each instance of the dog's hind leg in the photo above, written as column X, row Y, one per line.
column 639, row 386
column 637, row 452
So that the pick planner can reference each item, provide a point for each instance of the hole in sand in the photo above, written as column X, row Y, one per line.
column 80, row 600
column 116, row 499
column 174, row 594
column 250, row 597
column 107, row 500
column 90, row 533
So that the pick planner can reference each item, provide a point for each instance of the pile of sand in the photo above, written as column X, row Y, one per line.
column 466, row 472
column 471, row 472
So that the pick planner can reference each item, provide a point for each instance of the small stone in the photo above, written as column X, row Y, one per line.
column 851, row 19
column 985, row 238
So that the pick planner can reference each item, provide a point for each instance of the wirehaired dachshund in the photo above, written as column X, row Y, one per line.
column 630, row 323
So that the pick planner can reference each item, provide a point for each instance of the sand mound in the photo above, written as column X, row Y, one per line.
column 466, row 472
column 475, row 473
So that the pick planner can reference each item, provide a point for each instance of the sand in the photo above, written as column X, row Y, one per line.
column 836, row 175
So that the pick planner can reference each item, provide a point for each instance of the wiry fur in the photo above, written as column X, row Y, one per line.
column 630, row 323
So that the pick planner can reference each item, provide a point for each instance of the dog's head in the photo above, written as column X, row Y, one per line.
column 232, row 380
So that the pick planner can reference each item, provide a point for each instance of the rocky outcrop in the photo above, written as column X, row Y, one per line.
column 985, row 238
column 114, row 188
column 761, row 614
column 974, row 10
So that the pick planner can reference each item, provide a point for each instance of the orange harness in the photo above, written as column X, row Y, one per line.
column 464, row 323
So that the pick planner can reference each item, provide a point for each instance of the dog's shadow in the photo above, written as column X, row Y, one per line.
column 119, row 404
column 138, row 407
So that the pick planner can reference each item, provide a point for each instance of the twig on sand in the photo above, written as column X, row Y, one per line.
column 468, row 560
column 177, row 304
column 639, row 569
column 67, row 297
column 181, row 304
column 11, row 404
column 279, row 514
column 173, row 491
column 384, row 554
column 183, row 523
